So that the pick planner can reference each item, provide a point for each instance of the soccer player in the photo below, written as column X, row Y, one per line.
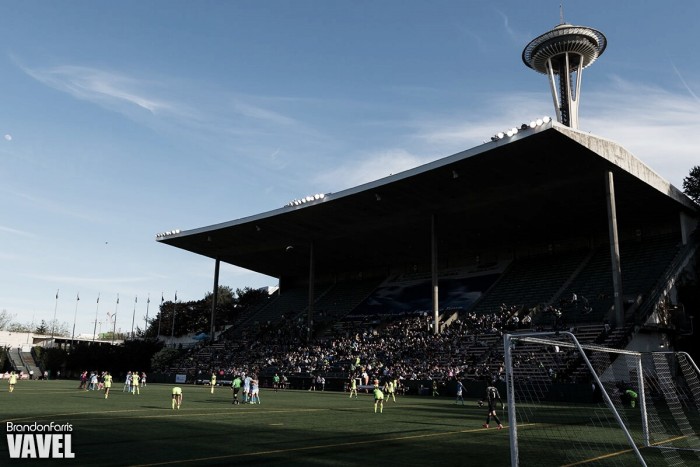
column 135, row 383
column 236, row 387
column 127, row 383
column 460, row 391
column 177, row 397
column 492, row 395
column 276, row 382
column 633, row 397
column 378, row 400
column 435, row 388
column 93, row 381
column 389, row 387
column 246, row 388
column 212, row 382
column 353, row 386
column 255, row 391
column 13, row 380
column 108, row 383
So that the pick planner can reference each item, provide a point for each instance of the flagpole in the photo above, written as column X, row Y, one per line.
column 172, row 334
column 94, row 330
column 53, row 324
column 75, row 316
column 148, row 304
column 160, row 315
column 114, row 321
column 133, row 316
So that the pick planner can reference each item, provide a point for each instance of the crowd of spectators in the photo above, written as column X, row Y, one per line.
column 404, row 348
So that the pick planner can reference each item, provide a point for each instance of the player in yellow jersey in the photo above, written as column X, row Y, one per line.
column 213, row 382
column 13, row 380
column 177, row 397
column 135, row 383
column 108, row 383
column 353, row 387
column 378, row 400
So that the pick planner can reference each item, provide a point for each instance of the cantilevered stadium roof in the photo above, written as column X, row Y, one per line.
column 542, row 184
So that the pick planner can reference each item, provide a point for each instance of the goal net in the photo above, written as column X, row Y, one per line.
column 572, row 404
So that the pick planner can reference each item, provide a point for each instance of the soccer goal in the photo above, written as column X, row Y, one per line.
column 572, row 404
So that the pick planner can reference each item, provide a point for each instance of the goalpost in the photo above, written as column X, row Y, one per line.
column 577, row 404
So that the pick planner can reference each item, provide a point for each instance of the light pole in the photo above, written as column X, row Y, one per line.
column 53, row 323
column 172, row 333
column 148, row 304
column 75, row 316
column 160, row 315
column 94, row 329
column 114, row 322
column 133, row 316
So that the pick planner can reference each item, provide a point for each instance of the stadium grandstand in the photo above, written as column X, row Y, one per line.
column 548, row 227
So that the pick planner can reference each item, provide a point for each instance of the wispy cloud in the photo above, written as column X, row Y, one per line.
column 515, row 36
column 54, row 207
column 262, row 114
column 20, row 233
column 100, row 86
column 685, row 84
column 653, row 123
column 177, row 106
column 369, row 167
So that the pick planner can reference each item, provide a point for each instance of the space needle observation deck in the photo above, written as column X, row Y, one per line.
column 562, row 54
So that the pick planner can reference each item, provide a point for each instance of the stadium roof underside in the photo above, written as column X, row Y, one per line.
column 539, row 186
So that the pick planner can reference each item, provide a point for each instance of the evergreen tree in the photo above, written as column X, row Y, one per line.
column 691, row 184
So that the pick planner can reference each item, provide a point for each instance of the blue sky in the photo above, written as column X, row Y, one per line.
column 119, row 120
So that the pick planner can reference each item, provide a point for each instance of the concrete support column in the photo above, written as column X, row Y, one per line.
column 614, row 250
column 312, row 276
column 214, row 298
column 434, row 274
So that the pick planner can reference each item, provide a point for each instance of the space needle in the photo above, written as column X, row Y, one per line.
column 562, row 54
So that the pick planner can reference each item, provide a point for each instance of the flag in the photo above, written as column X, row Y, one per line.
column 136, row 299
column 149, row 300
column 176, row 295
column 98, row 298
column 57, row 293
column 161, row 298
column 77, row 297
column 117, row 299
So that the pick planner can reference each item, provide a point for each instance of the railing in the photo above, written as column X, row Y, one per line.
column 668, row 278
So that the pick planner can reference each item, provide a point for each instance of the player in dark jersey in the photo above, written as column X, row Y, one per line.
column 492, row 396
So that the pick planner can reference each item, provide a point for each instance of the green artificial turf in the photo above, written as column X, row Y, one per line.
column 288, row 428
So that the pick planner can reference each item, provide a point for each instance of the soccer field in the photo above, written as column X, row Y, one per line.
column 288, row 428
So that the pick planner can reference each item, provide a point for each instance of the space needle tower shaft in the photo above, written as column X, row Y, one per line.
column 562, row 54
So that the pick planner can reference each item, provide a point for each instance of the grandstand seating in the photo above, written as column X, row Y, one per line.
column 471, row 346
column 530, row 281
column 641, row 262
